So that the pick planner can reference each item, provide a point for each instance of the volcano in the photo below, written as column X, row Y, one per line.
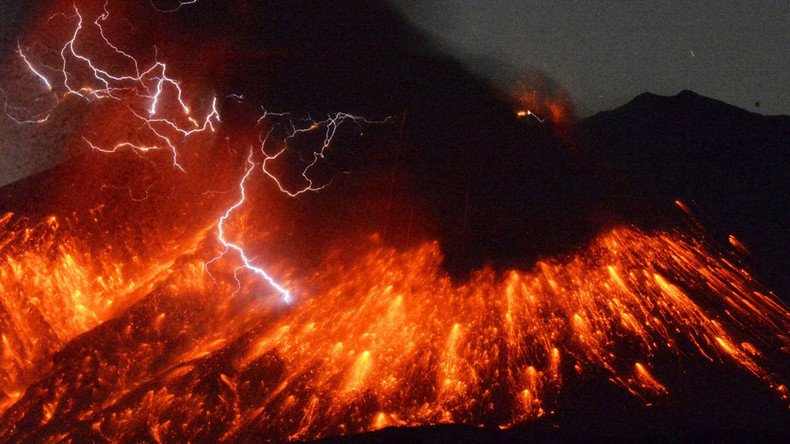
column 319, row 226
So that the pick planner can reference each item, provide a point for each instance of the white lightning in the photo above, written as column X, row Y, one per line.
column 285, row 295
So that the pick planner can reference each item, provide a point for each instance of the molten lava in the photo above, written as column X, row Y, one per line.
column 379, row 337
column 170, row 326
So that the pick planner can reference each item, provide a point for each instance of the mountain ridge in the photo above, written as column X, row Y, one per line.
column 730, row 164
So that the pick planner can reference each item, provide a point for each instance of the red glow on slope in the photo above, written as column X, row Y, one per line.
column 163, row 320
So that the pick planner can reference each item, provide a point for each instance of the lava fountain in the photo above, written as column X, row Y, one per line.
column 156, row 315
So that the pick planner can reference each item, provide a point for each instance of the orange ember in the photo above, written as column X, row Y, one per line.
column 378, row 338
column 543, row 105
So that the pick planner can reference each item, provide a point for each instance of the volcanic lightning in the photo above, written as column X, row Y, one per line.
column 153, row 81
column 181, row 4
column 330, row 125
column 32, row 68
column 285, row 294
column 117, row 328
column 149, row 84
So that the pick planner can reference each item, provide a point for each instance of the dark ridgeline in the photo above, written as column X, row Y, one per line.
column 730, row 166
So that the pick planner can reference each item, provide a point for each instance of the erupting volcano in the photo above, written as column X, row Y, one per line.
column 214, row 263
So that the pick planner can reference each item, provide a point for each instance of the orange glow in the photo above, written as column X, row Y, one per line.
column 115, row 332
column 387, row 339
column 554, row 107
column 538, row 102
column 738, row 245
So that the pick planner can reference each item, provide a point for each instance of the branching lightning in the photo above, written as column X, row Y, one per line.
column 329, row 126
column 148, row 85
column 146, row 90
column 229, row 245
column 12, row 111
column 387, row 338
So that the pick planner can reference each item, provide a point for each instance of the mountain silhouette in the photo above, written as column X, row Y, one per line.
column 729, row 165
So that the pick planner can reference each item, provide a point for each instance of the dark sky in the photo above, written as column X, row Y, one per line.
column 602, row 53
column 605, row 53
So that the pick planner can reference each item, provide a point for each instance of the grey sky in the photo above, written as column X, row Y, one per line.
column 24, row 149
column 605, row 53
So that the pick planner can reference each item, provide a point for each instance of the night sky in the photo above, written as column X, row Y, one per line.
column 605, row 53
column 601, row 53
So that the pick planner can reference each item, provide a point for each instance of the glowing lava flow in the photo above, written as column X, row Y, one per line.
column 141, row 347
column 64, row 276
column 387, row 339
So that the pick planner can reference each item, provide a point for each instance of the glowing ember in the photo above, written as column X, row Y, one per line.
column 537, row 104
column 387, row 339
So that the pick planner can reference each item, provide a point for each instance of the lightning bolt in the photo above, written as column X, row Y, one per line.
column 180, row 5
column 285, row 295
column 31, row 67
column 38, row 118
column 329, row 126
column 528, row 113
column 147, row 87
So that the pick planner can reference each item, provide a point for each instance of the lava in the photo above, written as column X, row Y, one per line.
column 145, row 89
column 55, row 285
column 386, row 338
column 178, row 332
column 536, row 102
